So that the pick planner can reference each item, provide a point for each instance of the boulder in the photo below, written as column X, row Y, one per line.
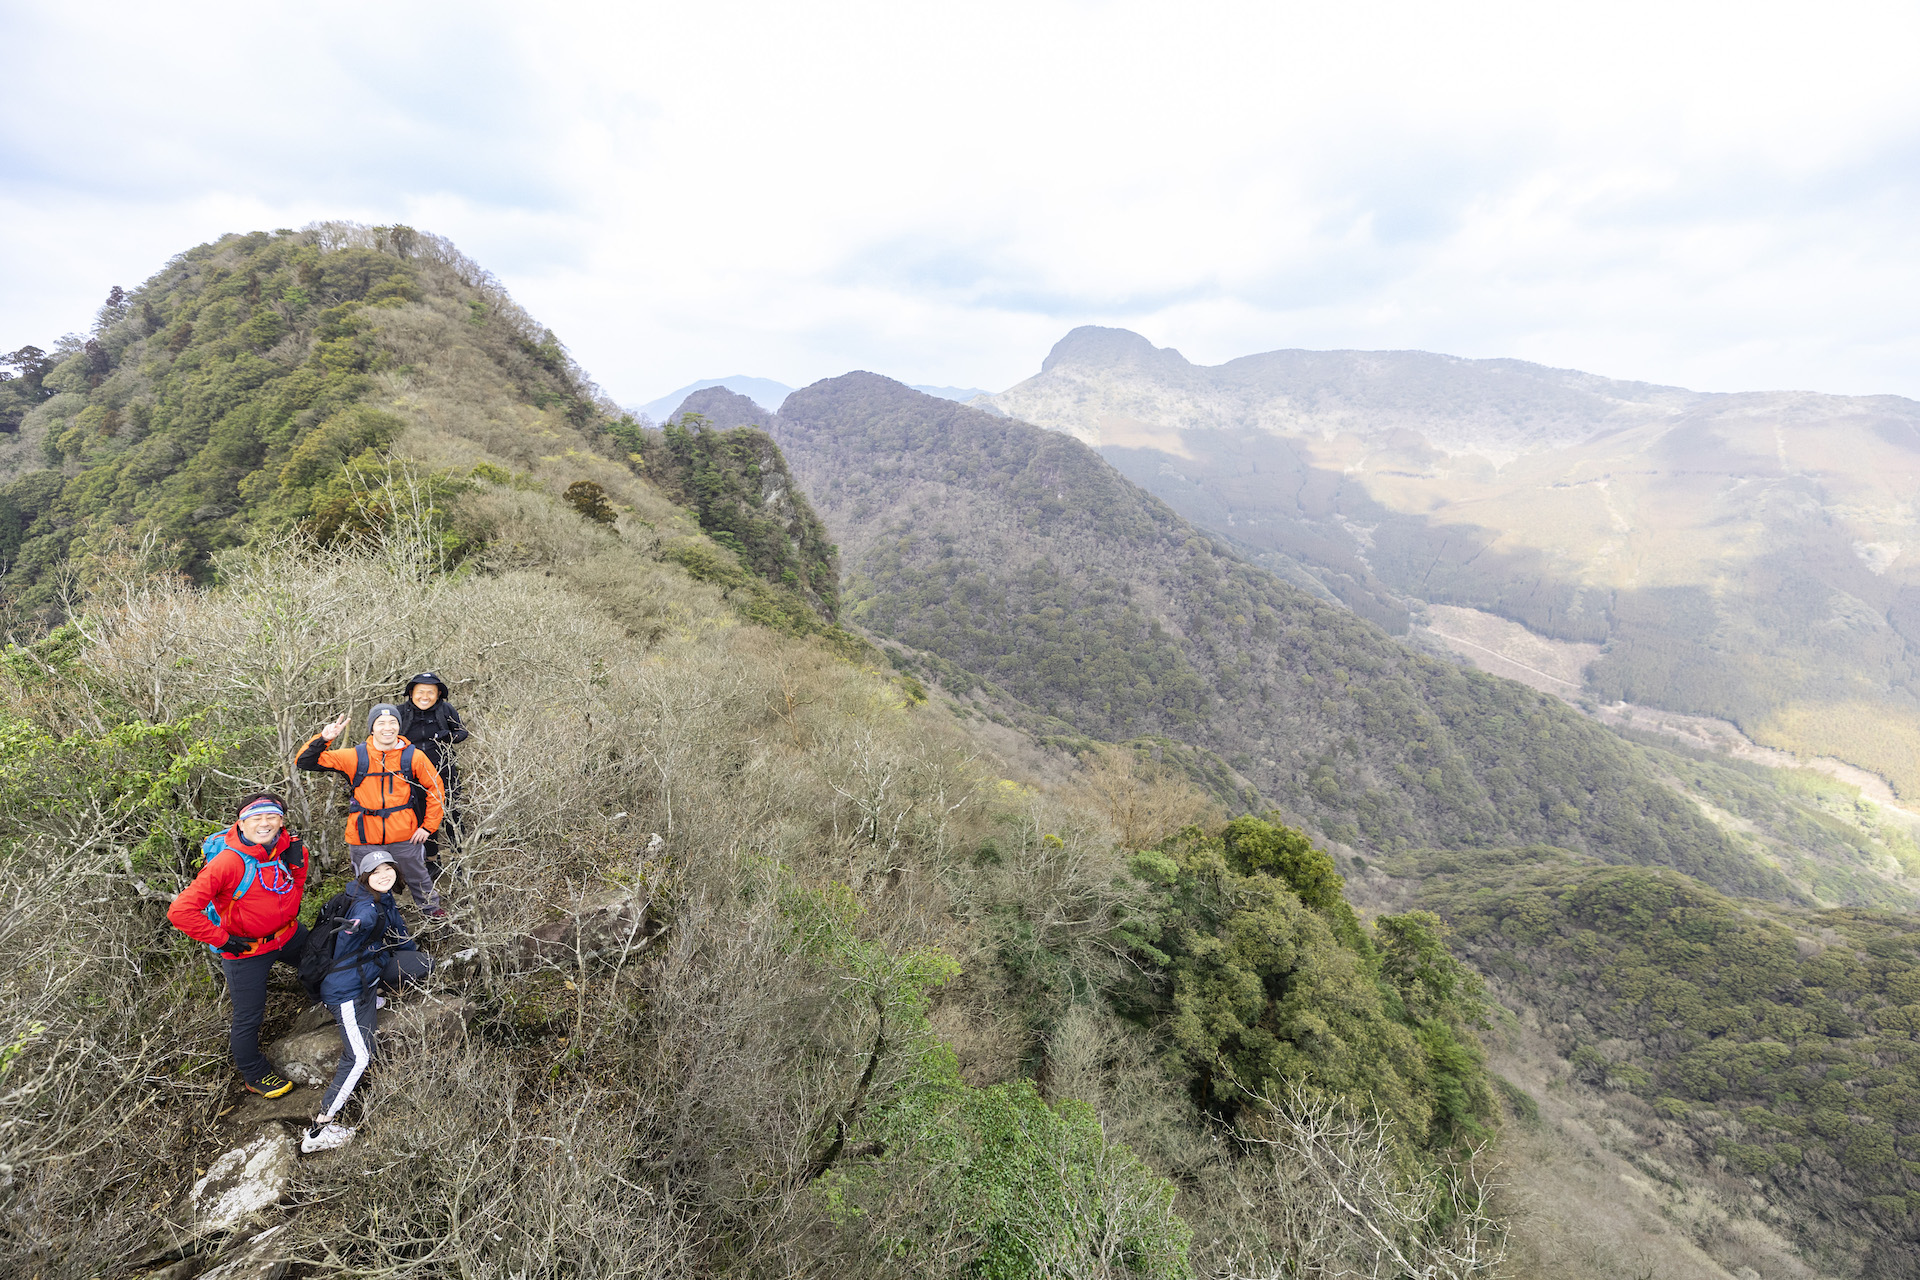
column 262, row 1258
column 312, row 1018
column 245, row 1181
column 297, row 1106
column 310, row 1057
column 624, row 923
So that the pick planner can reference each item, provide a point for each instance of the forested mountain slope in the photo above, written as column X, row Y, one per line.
column 913, row 996
column 1018, row 555
column 1745, row 556
column 1737, row 1048
column 901, row 1006
column 263, row 383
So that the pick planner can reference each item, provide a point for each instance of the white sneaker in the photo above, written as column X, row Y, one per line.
column 325, row 1137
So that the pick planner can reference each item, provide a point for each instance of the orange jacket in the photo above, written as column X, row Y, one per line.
column 267, row 912
column 383, row 802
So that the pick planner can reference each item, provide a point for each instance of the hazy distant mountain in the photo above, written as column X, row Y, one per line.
column 1107, row 385
column 764, row 392
column 768, row 394
column 1752, row 556
column 962, row 394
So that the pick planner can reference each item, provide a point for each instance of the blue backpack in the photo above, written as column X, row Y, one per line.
column 278, row 880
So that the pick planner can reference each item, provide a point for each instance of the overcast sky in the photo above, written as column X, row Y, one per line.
column 1721, row 196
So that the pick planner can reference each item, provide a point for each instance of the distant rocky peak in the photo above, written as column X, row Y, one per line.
column 1093, row 346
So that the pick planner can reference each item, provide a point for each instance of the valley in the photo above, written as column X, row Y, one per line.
column 1067, row 840
column 1736, row 556
column 1558, row 667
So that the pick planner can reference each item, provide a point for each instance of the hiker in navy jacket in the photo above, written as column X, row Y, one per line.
column 370, row 948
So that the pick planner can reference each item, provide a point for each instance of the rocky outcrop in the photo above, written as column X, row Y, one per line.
column 311, row 1052
column 611, row 928
column 244, row 1182
column 264, row 1257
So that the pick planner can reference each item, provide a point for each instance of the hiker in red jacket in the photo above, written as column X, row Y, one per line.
column 245, row 905
column 382, row 773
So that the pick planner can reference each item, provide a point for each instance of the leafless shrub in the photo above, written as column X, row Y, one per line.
column 105, row 1050
column 1144, row 801
column 727, row 1050
column 1321, row 1191
column 467, row 1166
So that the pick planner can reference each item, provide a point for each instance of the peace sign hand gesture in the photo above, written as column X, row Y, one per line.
column 333, row 729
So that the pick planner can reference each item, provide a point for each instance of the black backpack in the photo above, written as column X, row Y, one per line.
column 317, row 961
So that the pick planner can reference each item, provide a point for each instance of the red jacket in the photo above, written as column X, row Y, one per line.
column 384, row 797
column 268, row 911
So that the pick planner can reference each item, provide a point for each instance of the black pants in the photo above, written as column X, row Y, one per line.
column 247, row 987
column 450, row 813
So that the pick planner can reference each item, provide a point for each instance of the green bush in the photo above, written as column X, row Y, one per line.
column 1270, row 980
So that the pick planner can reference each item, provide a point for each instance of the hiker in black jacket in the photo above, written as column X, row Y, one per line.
column 429, row 722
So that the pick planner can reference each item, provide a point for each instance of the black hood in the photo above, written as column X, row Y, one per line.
column 425, row 677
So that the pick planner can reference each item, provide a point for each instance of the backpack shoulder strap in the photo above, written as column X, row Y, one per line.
column 246, row 876
column 215, row 845
column 406, row 762
column 360, row 766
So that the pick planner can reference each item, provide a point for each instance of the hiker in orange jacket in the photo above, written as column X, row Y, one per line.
column 245, row 905
column 381, row 775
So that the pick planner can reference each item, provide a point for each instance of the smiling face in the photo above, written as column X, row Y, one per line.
column 425, row 695
column 385, row 730
column 261, row 827
column 381, row 878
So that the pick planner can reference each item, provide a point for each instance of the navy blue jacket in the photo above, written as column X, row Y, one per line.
column 373, row 928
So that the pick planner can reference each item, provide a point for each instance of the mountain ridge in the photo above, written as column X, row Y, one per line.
column 1746, row 556
column 1018, row 554
column 933, row 1006
column 1331, row 390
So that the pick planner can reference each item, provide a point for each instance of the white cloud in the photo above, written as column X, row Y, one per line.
column 1714, row 195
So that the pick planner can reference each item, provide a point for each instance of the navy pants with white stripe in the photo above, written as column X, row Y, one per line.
column 356, row 1020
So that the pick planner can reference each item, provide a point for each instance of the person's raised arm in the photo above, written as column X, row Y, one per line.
column 309, row 757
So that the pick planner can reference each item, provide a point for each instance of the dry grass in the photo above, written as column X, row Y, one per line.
column 763, row 761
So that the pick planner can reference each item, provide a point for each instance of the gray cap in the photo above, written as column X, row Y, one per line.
column 380, row 708
column 377, row 858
